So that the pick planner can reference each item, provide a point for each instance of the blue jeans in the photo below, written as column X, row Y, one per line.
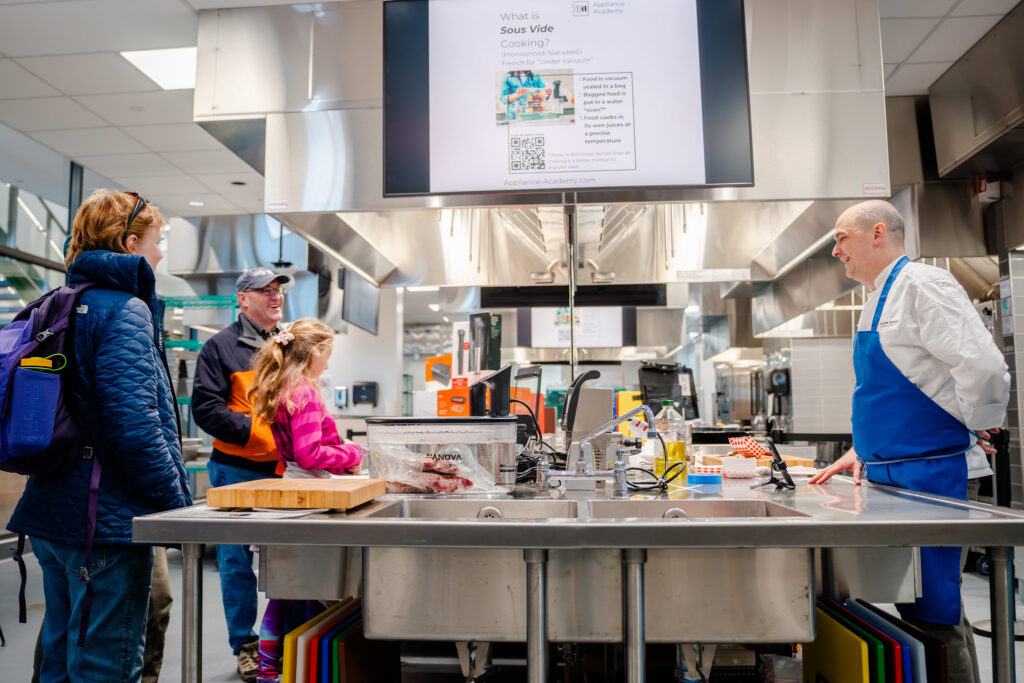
column 234, row 562
column 120, row 577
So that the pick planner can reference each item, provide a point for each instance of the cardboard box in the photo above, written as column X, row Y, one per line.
column 528, row 397
column 443, row 376
column 453, row 402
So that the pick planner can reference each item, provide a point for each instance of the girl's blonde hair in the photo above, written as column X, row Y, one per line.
column 283, row 361
column 101, row 219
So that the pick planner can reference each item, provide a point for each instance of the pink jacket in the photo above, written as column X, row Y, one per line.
column 308, row 437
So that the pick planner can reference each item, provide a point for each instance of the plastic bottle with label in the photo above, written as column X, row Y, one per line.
column 673, row 429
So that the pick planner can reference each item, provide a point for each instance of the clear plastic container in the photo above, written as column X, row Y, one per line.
column 443, row 454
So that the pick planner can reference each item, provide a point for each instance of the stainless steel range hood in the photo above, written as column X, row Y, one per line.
column 977, row 106
column 210, row 253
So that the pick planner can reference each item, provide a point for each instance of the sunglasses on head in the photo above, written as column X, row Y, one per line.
column 140, row 204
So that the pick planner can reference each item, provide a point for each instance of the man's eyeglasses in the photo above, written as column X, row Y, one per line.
column 269, row 291
column 140, row 204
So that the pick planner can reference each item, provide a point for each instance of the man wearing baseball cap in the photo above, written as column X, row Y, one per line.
column 243, row 448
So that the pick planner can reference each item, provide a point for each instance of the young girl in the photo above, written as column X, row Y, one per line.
column 284, row 394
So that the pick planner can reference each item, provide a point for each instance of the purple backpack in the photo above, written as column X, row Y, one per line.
column 37, row 433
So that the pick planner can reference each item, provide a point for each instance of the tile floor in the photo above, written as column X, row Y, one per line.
column 219, row 663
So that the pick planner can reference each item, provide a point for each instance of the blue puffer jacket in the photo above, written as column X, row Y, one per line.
column 122, row 393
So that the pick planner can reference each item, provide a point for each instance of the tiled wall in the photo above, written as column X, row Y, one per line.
column 822, row 379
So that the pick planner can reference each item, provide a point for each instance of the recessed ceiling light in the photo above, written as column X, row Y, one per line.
column 445, row 318
column 434, row 307
column 173, row 69
column 196, row 203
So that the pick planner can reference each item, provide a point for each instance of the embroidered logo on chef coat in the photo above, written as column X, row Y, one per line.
column 82, row 310
column 886, row 324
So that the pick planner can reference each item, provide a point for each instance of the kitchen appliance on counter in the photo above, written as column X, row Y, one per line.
column 443, row 454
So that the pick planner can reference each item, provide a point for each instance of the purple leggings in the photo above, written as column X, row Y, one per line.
column 281, row 617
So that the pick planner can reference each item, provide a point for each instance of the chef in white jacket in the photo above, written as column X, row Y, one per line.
column 929, row 377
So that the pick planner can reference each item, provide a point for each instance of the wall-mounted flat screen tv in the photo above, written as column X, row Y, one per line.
column 360, row 304
column 499, row 96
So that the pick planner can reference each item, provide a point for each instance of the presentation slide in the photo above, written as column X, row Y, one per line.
column 548, row 95
column 595, row 327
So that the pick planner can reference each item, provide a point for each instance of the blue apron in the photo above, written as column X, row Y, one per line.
column 905, row 439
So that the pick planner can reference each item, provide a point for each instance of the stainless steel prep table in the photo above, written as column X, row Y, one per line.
column 835, row 515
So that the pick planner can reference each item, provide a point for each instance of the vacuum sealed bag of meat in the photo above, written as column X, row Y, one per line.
column 446, row 469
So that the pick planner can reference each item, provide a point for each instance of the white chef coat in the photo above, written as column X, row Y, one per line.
column 930, row 331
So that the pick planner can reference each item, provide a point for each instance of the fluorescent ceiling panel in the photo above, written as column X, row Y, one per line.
column 171, row 69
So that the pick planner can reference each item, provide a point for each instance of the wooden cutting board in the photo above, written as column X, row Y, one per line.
column 339, row 494
column 790, row 460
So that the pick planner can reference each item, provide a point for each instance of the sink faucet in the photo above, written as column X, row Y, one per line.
column 585, row 449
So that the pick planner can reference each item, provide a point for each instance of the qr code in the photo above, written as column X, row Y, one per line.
column 526, row 153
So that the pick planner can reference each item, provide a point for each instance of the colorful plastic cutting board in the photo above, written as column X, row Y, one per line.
column 836, row 655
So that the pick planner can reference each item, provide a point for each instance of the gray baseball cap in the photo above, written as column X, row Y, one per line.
column 258, row 278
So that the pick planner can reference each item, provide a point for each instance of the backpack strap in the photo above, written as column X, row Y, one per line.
column 22, row 607
column 90, row 532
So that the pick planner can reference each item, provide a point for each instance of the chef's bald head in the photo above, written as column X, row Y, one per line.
column 867, row 215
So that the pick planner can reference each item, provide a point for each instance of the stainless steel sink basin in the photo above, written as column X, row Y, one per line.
column 689, row 509
column 449, row 508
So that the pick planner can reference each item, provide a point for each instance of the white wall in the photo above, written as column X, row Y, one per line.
column 362, row 357
column 822, row 385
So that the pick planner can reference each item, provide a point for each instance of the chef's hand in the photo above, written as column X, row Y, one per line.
column 983, row 439
column 847, row 462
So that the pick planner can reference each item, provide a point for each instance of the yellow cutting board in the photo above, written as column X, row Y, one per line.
column 339, row 494
column 836, row 655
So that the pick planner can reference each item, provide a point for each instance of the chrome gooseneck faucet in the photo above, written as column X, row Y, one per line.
column 584, row 449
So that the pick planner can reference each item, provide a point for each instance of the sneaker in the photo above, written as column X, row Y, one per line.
column 248, row 662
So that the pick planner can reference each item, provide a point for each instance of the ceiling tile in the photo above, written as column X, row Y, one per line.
column 978, row 7
column 95, row 26
column 222, row 183
column 164, row 106
column 901, row 36
column 176, row 137
column 213, row 205
column 152, row 186
column 196, row 163
column 16, row 82
column 128, row 165
column 248, row 203
column 85, row 141
column 914, row 79
column 889, row 68
column 952, row 39
column 47, row 113
column 91, row 74
column 901, row 9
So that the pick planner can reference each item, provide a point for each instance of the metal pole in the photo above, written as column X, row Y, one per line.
column 570, row 244
column 633, row 560
column 536, row 615
column 192, row 616
column 1001, row 604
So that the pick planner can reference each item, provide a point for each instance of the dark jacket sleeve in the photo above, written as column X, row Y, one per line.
column 126, row 394
column 211, row 389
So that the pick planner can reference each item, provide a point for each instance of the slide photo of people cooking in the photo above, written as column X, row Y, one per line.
column 531, row 97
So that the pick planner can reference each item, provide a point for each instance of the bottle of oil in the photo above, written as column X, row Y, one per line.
column 672, row 429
